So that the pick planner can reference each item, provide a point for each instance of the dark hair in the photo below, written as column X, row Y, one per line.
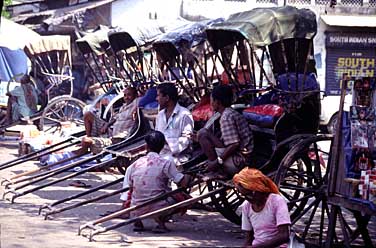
column 223, row 94
column 169, row 89
column 25, row 79
column 155, row 141
column 131, row 89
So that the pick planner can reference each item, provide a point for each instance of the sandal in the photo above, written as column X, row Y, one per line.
column 80, row 184
column 106, row 213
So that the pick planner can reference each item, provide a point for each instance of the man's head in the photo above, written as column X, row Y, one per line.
column 166, row 94
column 254, row 185
column 25, row 79
column 221, row 96
column 155, row 141
column 130, row 93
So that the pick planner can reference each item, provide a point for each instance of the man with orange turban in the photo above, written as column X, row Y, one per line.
column 265, row 215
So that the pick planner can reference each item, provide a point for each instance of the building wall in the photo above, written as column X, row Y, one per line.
column 199, row 9
column 194, row 10
column 139, row 10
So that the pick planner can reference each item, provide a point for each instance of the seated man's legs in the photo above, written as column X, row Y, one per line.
column 229, row 166
column 213, row 147
column 9, row 115
column 171, row 200
column 96, row 145
column 86, row 143
column 89, row 118
column 208, row 142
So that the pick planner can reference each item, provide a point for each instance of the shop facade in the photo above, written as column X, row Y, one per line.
column 351, row 53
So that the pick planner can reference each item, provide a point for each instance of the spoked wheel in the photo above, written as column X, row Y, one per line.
column 227, row 202
column 302, row 178
column 346, row 226
column 60, row 110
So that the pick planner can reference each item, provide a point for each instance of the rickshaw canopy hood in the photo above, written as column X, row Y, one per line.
column 263, row 26
column 48, row 44
column 129, row 36
column 96, row 41
column 183, row 37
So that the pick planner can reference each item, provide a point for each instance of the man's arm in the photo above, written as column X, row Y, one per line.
column 249, row 237
column 185, row 134
column 229, row 151
column 280, row 238
column 185, row 181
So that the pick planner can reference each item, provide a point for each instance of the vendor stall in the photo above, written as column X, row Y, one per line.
column 352, row 177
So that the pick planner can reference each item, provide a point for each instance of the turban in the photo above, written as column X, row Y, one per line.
column 254, row 180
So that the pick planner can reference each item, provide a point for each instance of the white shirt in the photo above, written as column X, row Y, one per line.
column 177, row 129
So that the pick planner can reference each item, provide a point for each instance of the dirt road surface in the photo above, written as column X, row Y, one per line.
column 21, row 226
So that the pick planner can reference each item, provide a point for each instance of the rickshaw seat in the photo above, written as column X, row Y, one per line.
column 287, row 82
column 266, row 109
column 265, row 115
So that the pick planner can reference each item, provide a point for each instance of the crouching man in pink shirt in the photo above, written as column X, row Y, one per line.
column 148, row 177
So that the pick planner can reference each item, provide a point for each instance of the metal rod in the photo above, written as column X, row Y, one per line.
column 171, row 208
column 306, row 64
column 262, row 64
column 30, row 156
column 55, row 172
column 79, row 204
column 79, row 195
column 59, row 180
column 43, row 168
column 127, row 210
column 337, row 143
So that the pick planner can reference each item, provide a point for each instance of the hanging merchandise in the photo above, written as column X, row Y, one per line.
column 363, row 138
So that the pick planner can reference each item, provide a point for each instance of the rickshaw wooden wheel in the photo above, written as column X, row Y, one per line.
column 227, row 202
column 302, row 178
column 61, row 109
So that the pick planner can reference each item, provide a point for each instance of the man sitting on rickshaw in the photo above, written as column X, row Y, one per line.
column 22, row 101
column 97, row 135
column 175, row 122
column 227, row 154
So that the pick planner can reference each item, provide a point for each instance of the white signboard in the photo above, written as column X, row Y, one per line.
column 3, row 91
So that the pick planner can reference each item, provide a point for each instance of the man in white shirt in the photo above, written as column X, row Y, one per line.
column 174, row 121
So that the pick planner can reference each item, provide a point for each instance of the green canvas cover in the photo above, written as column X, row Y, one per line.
column 96, row 41
column 264, row 26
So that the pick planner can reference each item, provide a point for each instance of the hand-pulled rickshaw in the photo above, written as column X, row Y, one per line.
column 95, row 47
column 266, row 55
column 51, row 60
column 292, row 130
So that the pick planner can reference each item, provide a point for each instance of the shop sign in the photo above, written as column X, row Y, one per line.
column 356, row 63
column 351, row 40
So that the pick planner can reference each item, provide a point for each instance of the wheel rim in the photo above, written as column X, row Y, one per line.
column 333, row 124
column 62, row 110
column 302, row 179
column 227, row 202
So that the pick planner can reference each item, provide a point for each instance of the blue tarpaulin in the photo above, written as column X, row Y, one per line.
column 12, row 62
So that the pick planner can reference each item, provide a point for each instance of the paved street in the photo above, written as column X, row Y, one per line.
column 22, row 227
